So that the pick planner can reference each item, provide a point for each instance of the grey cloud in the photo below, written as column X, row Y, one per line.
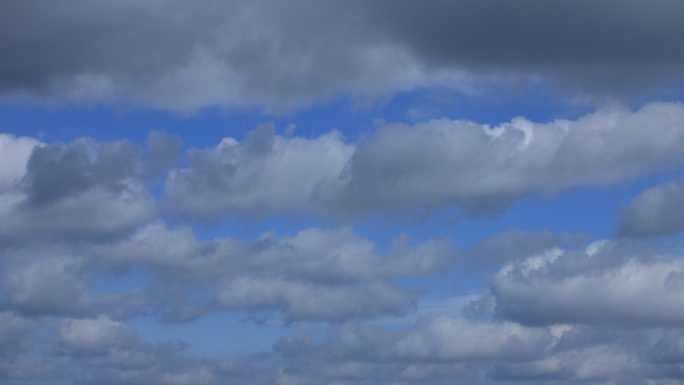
column 172, row 55
column 414, row 169
column 53, row 280
column 315, row 275
column 17, row 334
column 103, row 351
column 588, row 46
column 163, row 151
column 609, row 283
column 282, row 55
column 261, row 176
column 484, row 169
column 314, row 302
column 14, row 155
column 53, row 284
column 83, row 189
column 55, row 172
column 657, row 211
column 435, row 351
column 317, row 255
column 444, row 350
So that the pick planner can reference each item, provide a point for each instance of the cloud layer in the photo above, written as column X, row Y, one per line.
column 283, row 55
column 415, row 168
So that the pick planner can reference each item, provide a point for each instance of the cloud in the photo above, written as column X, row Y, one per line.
column 604, row 46
column 284, row 55
column 94, row 336
column 17, row 334
column 82, row 189
column 264, row 175
column 14, row 155
column 610, row 283
column 443, row 350
column 315, row 275
column 50, row 284
column 656, row 211
column 415, row 168
column 171, row 55
column 483, row 169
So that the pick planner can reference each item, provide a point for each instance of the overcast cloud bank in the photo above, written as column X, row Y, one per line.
column 284, row 55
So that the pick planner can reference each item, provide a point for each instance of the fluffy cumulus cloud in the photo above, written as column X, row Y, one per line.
column 609, row 283
column 81, row 189
column 281, row 55
column 402, row 168
column 657, row 211
column 316, row 275
column 264, row 175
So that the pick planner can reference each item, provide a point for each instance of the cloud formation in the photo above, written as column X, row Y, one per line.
column 610, row 283
column 283, row 55
column 415, row 168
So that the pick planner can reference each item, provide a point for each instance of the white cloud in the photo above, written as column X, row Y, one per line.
column 95, row 336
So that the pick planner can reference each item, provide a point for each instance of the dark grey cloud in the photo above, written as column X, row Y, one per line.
column 55, row 172
column 281, row 55
column 434, row 351
column 656, row 211
column 83, row 189
column 173, row 55
column 14, row 154
column 603, row 45
column 415, row 168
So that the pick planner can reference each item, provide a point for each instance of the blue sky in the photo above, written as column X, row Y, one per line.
column 341, row 192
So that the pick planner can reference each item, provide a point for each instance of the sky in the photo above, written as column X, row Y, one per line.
column 338, row 192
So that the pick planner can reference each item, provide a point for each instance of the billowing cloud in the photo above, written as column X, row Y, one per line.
column 657, row 211
column 402, row 168
column 264, row 175
column 609, row 283
column 82, row 189
column 211, row 54
column 281, row 55
column 443, row 350
column 316, row 275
